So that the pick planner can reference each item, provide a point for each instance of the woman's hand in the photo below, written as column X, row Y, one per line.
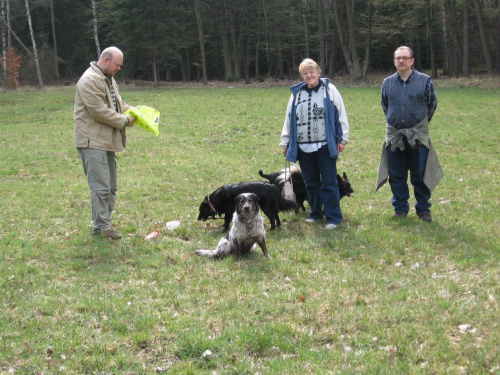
column 285, row 150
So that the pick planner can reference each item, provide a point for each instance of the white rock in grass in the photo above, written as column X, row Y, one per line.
column 207, row 354
column 464, row 328
column 171, row 225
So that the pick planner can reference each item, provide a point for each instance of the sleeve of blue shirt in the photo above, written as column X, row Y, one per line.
column 431, row 99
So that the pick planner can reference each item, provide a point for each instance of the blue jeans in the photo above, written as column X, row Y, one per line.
column 399, row 164
column 320, row 177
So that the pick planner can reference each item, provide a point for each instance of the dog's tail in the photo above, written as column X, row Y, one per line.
column 207, row 253
column 262, row 174
column 286, row 205
column 294, row 171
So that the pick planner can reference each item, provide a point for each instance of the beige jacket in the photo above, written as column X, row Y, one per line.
column 97, row 123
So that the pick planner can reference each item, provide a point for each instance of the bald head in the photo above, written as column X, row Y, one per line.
column 111, row 61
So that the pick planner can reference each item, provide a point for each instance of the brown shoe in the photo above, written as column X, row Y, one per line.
column 425, row 217
column 399, row 214
column 112, row 235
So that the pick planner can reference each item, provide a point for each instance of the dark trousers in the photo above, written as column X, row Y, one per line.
column 414, row 160
column 320, row 177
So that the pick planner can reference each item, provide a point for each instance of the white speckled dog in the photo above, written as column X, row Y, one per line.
column 247, row 230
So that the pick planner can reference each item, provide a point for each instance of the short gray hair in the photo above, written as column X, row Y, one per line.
column 309, row 64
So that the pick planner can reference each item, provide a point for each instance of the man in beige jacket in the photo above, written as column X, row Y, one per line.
column 100, row 132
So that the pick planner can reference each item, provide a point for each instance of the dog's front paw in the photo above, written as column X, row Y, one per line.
column 268, row 256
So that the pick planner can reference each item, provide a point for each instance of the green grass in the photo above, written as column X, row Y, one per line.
column 377, row 296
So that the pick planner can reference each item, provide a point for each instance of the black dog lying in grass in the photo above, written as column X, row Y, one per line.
column 222, row 201
column 299, row 187
column 247, row 230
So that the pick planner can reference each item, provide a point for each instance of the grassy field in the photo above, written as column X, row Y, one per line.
column 376, row 296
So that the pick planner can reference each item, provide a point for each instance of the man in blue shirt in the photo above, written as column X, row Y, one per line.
column 408, row 101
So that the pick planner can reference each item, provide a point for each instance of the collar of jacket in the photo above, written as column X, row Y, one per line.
column 299, row 86
column 99, row 71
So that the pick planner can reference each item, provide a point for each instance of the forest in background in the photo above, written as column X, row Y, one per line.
column 46, row 42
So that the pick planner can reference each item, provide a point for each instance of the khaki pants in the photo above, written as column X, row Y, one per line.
column 101, row 171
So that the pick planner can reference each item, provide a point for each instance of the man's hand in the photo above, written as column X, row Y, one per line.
column 130, row 121
column 340, row 147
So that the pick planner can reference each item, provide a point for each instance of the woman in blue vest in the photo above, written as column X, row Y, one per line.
column 315, row 131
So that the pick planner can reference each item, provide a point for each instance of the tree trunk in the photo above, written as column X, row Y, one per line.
column 56, row 64
column 349, row 50
column 345, row 50
column 266, row 28
column 257, row 47
column 236, row 50
column 356, row 73
column 306, row 35
column 16, row 38
column 279, row 57
column 35, row 53
column 444, row 24
column 4, row 47
column 331, row 43
column 498, row 44
column 321, row 35
column 201, row 40
column 155, row 70
column 366, row 62
column 7, row 22
column 451, row 21
column 96, row 35
column 465, row 62
column 484, row 38
column 228, row 64
column 434, row 73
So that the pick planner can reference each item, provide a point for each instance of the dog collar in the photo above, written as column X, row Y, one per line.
column 211, row 206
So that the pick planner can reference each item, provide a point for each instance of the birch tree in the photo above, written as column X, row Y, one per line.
column 56, row 64
column 35, row 53
column 96, row 35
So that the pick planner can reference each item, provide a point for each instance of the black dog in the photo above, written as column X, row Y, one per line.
column 222, row 201
column 345, row 188
column 299, row 187
column 247, row 229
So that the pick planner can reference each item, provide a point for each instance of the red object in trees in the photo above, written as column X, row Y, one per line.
column 13, row 64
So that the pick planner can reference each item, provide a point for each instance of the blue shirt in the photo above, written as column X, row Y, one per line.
column 407, row 103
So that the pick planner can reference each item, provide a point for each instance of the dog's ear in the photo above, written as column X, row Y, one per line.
column 344, row 175
column 254, row 197
column 206, row 199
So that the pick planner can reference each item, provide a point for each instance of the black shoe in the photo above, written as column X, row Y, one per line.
column 425, row 217
column 399, row 214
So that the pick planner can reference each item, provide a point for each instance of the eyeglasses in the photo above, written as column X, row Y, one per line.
column 309, row 73
column 404, row 58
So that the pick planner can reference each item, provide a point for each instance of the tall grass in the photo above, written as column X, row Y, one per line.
column 375, row 296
